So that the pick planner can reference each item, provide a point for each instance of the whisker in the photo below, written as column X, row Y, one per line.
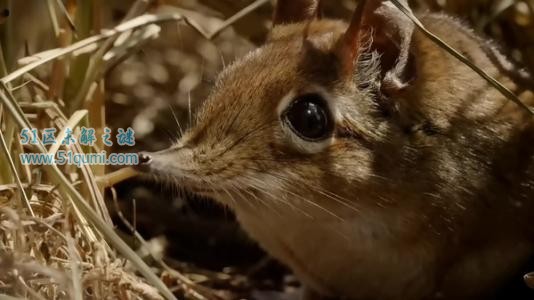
column 255, row 197
column 170, row 135
column 272, row 196
column 333, row 196
column 222, row 58
column 215, row 188
column 308, row 201
column 333, row 229
column 189, row 113
column 176, row 120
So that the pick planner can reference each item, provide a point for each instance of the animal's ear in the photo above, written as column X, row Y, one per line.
column 294, row 11
column 378, row 25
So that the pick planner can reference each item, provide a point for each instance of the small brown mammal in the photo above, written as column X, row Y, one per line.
column 366, row 158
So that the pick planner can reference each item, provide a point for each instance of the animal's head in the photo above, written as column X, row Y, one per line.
column 300, row 116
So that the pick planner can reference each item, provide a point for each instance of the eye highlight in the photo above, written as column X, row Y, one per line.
column 309, row 117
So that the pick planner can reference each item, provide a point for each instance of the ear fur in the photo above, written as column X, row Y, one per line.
column 378, row 25
column 294, row 11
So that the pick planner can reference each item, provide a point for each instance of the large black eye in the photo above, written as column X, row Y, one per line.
column 309, row 117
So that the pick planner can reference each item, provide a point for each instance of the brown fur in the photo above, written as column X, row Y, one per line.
column 431, row 197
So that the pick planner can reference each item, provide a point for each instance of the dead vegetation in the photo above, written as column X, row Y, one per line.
column 67, row 64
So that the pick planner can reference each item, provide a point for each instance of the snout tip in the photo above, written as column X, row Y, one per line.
column 145, row 160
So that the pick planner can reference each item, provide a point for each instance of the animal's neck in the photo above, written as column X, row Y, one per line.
column 465, row 146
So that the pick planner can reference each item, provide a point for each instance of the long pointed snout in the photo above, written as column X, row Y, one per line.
column 160, row 160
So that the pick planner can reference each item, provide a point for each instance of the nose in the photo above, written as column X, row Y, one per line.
column 144, row 158
column 144, row 162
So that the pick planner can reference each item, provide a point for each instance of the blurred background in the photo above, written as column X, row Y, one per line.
column 167, row 78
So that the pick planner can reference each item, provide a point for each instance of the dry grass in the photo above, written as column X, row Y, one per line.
column 57, row 239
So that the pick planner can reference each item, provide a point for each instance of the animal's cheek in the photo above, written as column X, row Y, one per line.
column 351, row 162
